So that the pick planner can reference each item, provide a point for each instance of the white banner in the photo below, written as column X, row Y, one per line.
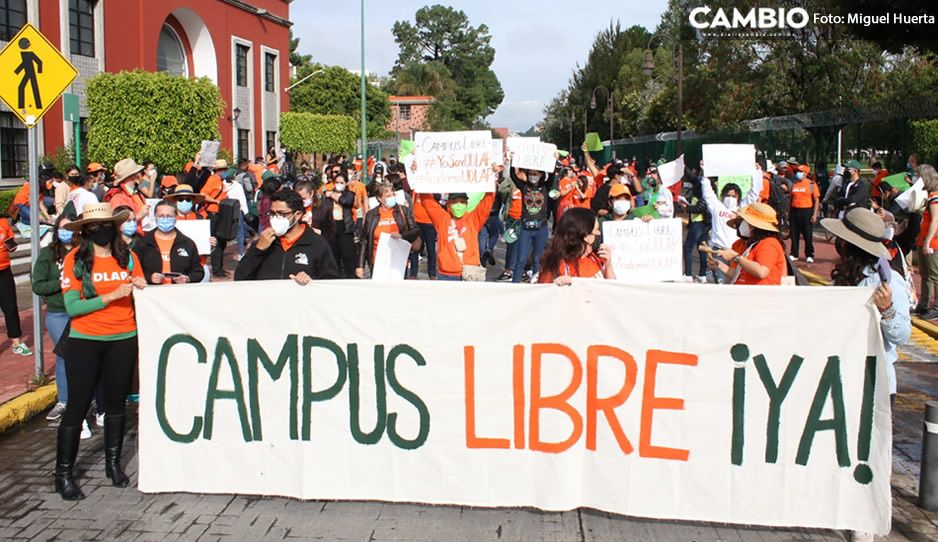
column 603, row 395
column 453, row 162
column 645, row 251
column 391, row 258
column 722, row 160
column 531, row 153
column 200, row 231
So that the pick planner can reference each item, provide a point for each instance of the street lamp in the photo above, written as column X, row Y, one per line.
column 609, row 96
column 364, row 110
column 648, row 67
column 235, row 114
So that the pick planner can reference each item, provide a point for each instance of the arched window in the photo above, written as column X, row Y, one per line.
column 170, row 55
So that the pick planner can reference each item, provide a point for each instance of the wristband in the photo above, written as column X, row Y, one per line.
column 736, row 259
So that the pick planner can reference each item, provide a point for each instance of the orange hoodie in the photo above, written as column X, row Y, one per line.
column 449, row 228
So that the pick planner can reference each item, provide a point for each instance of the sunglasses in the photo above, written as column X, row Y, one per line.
column 98, row 227
column 180, row 200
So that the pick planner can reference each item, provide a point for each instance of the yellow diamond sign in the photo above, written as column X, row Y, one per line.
column 33, row 74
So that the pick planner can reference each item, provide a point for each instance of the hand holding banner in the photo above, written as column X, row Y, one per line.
column 645, row 251
column 672, row 172
column 452, row 162
column 729, row 159
column 536, row 155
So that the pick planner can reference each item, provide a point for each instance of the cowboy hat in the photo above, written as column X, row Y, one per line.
column 221, row 163
column 97, row 213
column 758, row 215
column 861, row 228
column 125, row 168
column 184, row 190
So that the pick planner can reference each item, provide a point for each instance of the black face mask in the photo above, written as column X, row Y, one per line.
column 104, row 236
column 74, row 179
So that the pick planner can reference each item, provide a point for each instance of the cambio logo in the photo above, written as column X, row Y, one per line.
column 755, row 18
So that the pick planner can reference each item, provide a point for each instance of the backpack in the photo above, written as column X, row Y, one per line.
column 247, row 180
column 778, row 198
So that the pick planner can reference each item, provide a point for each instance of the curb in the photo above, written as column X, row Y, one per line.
column 924, row 326
column 24, row 407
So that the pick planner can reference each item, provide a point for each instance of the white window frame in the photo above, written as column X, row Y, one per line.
column 264, row 50
column 252, row 132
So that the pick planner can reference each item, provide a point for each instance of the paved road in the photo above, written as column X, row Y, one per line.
column 29, row 509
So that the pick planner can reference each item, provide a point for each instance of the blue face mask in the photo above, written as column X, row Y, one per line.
column 129, row 228
column 166, row 224
column 391, row 202
column 184, row 206
column 65, row 236
column 799, row 175
column 223, row 175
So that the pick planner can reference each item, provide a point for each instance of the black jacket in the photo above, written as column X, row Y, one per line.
column 859, row 195
column 310, row 253
column 404, row 217
column 184, row 257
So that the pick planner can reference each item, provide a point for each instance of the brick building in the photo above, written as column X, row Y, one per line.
column 241, row 45
column 409, row 114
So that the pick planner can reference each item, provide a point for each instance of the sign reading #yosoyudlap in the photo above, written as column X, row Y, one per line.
column 601, row 395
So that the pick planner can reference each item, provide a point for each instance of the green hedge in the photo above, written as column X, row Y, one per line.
column 925, row 140
column 6, row 198
column 150, row 116
column 312, row 133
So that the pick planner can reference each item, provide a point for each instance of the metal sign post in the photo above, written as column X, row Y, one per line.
column 34, row 204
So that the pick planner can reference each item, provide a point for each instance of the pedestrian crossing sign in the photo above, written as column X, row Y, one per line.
column 33, row 74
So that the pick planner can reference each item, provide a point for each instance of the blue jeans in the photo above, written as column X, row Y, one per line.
column 696, row 234
column 528, row 239
column 447, row 277
column 428, row 235
column 24, row 214
column 511, row 257
column 55, row 324
column 489, row 234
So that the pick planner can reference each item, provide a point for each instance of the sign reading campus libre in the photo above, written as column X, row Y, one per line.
column 601, row 394
column 33, row 74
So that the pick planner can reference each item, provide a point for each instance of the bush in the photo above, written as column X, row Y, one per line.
column 62, row 159
column 311, row 133
column 6, row 198
column 925, row 140
column 150, row 116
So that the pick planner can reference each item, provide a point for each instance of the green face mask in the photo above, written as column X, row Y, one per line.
column 458, row 209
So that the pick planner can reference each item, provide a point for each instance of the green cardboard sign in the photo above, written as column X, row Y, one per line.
column 474, row 199
column 645, row 210
column 744, row 182
column 593, row 143
column 898, row 181
column 407, row 148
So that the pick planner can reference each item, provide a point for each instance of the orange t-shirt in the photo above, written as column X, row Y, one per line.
column 386, row 224
column 166, row 249
column 449, row 230
column 258, row 171
column 584, row 202
column 361, row 198
column 420, row 213
column 22, row 196
column 6, row 232
column 804, row 193
column 770, row 253
column 926, row 222
column 191, row 215
column 115, row 319
column 589, row 267
column 287, row 244
column 514, row 210
column 766, row 191
column 214, row 188
column 567, row 201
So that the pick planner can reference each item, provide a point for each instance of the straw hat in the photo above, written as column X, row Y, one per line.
column 221, row 163
column 184, row 190
column 861, row 228
column 125, row 168
column 97, row 213
column 758, row 215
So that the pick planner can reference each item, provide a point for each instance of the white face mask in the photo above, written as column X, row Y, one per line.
column 340, row 188
column 534, row 179
column 307, row 202
column 730, row 202
column 745, row 230
column 280, row 225
column 621, row 207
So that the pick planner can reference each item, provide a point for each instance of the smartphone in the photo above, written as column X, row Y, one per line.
column 885, row 272
column 10, row 244
column 172, row 275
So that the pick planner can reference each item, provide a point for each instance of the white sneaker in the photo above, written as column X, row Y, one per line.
column 701, row 279
column 792, row 258
column 687, row 278
column 99, row 420
column 534, row 278
column 809, row 259
column 85, row 431
column 56, row 412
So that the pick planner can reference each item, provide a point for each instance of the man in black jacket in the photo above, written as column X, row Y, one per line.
column 184, row 262
column 288, row 249
column 855, row 191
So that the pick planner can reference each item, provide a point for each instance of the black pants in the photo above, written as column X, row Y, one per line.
column 11, row 313
column 801, row 227
column 87, row 361
column 218, row 257
column 343, row 248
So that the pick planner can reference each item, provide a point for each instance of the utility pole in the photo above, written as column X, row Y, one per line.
column 364, row 109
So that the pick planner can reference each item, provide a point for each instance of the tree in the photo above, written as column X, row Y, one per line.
column 311, row 133
column 298, row 60
column 150, row 116
column 443, row 35
column 430, row 79
column 337, row 91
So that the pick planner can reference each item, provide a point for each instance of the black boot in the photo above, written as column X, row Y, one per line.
column 65, row 454
column 113, row 444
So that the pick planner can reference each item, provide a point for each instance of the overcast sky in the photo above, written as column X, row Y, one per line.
column 537, row 42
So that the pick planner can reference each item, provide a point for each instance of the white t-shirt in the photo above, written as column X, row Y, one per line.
column 721, row 234
column 81, row 197
column 236, row 191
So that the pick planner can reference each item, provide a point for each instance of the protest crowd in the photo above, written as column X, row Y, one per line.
column 111, row 231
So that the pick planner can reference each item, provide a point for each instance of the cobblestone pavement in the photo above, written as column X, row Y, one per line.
column 29, row 509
